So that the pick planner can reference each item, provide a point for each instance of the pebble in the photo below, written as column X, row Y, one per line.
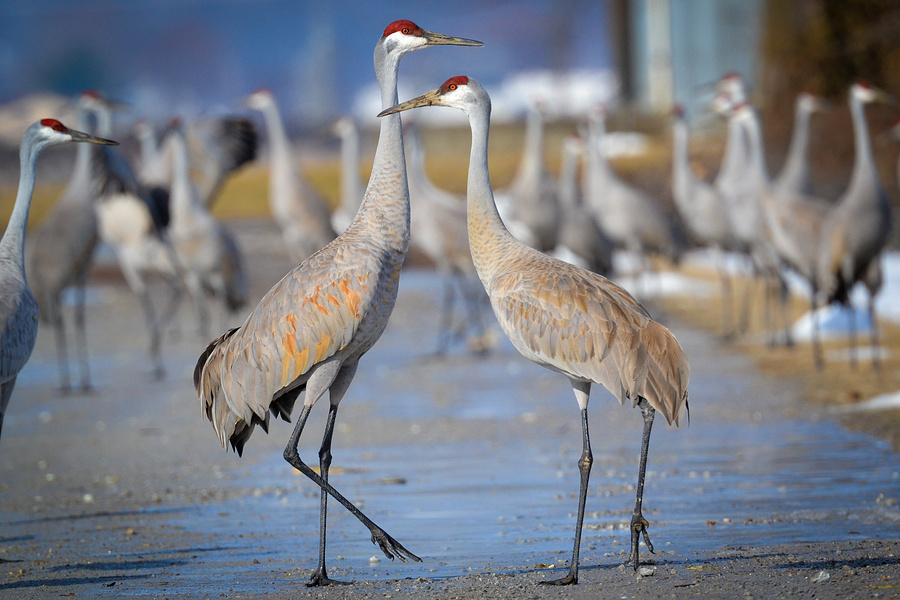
column 821, row 577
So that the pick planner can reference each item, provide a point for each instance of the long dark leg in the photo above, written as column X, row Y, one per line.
column 584, row 466
column 62, row 354
column 155, row 334
column 876, row 362
column 320, row 577
column 728, row 327
column 853, row 345
column 81, row 334
column 391, row 547
column 817, row 335
column 638, row 523
column 445, row 334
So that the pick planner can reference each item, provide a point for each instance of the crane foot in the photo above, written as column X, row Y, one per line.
column 570, row 579
column 321, row 579
column 391, row 547
column 638, row 528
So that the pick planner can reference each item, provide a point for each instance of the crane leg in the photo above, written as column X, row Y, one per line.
column 584, row 467
column 445, row 334
column 338, row 383
column 638, row 523
column 320, row 576
column 62, row 354
column 876, row 362
column 81, row 334
column 816, row 336
column 471, row 296
column 853, row 345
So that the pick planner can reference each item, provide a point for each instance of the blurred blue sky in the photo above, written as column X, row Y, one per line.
column 193, row 56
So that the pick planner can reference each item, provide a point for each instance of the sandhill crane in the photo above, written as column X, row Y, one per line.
column 18, row 307
column 563, row 317
column 856, row 230
column 133, row 223
column 351, row 185
column 701, row 208
column 581, row 241
column 60, row 250
column 438, row 229
column 628, row 216
column 218, row 147
column 532, row 193
column 794, row 217
column 299, row 211
column 207, row 250
column 310, row 330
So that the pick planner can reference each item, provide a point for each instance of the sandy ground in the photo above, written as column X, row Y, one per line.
column 469, row 461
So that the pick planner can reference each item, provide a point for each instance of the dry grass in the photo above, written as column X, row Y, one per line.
column 837, row 384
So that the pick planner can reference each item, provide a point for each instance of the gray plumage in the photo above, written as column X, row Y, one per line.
column 18, row 307
column 563, row 317
column 310, row 330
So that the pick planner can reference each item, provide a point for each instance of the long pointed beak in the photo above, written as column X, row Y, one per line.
column 439, row 39
column 78, row 136
column 431, row 98
column 886, row 98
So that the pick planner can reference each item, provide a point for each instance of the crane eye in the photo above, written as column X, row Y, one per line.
column 452, row 86
column 405, row 31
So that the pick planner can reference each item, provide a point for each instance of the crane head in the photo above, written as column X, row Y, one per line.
column 259, row 99
column 406, row 36
column 864, row 91
column 53, row 132
column 677, row 110
column 457, row 92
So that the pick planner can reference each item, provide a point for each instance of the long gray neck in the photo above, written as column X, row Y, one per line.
column 82, row 173
column 680, row 163
column 735, row 152
column 12, row 246
column 794, row 175
column 597, row 168
column 757, row 154
column 385, row 205
column 487, row 234
column 568, row 171
column 351, row 190
column 533, row 153
column 181, row 195
column 864, row 173
column 282, row 177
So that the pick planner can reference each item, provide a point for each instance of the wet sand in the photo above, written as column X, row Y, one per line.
column 469, row 461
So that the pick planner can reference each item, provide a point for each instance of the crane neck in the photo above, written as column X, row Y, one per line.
column 351, row 190
column 385, row 206
column 182, row 194
column 864, row 174
column 12, row 245
column 757, row 163
column 735, row 153
column 533, row 153
column 568, row 176
column 794, row 174
column 597, row 171
column 680, row 160
column 489, row 240
column 82, row 172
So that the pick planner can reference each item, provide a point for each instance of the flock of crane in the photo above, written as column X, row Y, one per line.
column 310, row 330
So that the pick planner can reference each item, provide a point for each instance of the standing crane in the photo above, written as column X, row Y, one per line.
column 351, row 185
column 301, row 214
column 60, row 250
column 702, row 210
column 627, row 215
column 18, row 307
column 857, row 229
column 206, row 248
column 794, row 217
column 310, row 330
column 581, row 240
column 563, row 317
column 133, row 222
column 438, row 229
